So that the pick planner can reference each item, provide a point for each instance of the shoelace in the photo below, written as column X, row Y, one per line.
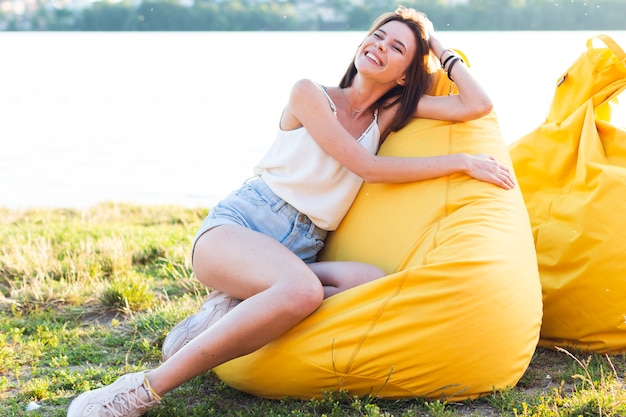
column 127, row 402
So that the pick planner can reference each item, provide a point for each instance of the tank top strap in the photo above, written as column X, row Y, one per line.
column 330, row 101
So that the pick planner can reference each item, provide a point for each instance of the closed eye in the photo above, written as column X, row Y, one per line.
column 396, row 45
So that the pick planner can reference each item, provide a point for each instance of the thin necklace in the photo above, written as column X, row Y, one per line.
column 348, row 101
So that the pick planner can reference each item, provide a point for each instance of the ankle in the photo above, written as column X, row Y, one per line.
column 153, row 391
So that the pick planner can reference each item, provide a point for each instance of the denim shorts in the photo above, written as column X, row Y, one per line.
column 256, row 207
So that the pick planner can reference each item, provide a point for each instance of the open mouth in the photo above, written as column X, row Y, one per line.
column 373, row 58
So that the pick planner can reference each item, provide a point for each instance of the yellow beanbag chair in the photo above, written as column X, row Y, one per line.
column 572, row 173
column 459, row 313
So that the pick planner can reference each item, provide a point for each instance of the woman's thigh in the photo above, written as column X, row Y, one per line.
column 242, row 262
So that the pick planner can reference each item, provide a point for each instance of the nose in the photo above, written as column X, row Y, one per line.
column 380, row 45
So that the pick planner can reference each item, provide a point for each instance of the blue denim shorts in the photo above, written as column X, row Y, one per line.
column 256, row 207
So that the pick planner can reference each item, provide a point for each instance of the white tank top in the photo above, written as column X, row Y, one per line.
column 297, row 170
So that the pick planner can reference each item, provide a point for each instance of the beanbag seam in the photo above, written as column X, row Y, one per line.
column 373, row 323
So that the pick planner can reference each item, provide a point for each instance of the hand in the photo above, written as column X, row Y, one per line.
column 433, row 42
column 428, row 27
column 486, row 168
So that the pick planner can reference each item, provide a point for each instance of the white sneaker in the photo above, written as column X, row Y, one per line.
column 129, row 396
column 214, row 307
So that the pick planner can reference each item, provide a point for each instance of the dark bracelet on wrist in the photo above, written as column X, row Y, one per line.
column 444, row 63
column 452, row 63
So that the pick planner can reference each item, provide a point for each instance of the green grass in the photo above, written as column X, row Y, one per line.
column 88, row 295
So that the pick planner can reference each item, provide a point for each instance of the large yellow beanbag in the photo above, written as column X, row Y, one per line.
column 459, row 313
column 572, row 173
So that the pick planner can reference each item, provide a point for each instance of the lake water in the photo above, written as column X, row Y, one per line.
column 181, row 118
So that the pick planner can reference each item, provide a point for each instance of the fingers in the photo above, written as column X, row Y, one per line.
column 505, row 177
column 497, row 173
column 486, row 168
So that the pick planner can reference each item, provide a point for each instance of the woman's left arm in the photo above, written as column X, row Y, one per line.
column 471, row 103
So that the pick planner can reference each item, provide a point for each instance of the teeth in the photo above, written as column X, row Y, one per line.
column 373, row 58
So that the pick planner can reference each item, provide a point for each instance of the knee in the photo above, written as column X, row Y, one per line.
column 306, row 298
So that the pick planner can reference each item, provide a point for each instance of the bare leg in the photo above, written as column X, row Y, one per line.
column 278, row 289
column 340, row 276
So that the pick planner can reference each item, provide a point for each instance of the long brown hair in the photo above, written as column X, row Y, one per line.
column 418, row 78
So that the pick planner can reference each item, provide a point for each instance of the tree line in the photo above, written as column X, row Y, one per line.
column 294, row 15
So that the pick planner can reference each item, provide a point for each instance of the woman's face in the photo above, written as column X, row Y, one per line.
column 387, row 52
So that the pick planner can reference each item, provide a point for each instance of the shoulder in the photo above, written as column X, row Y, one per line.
column 307, row 94
column 307, row 103
column 305, row 87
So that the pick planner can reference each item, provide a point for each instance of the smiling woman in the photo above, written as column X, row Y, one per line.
column 457, row 314
column 260, row 244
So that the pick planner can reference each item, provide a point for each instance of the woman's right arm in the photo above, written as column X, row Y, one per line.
column 308, row 105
